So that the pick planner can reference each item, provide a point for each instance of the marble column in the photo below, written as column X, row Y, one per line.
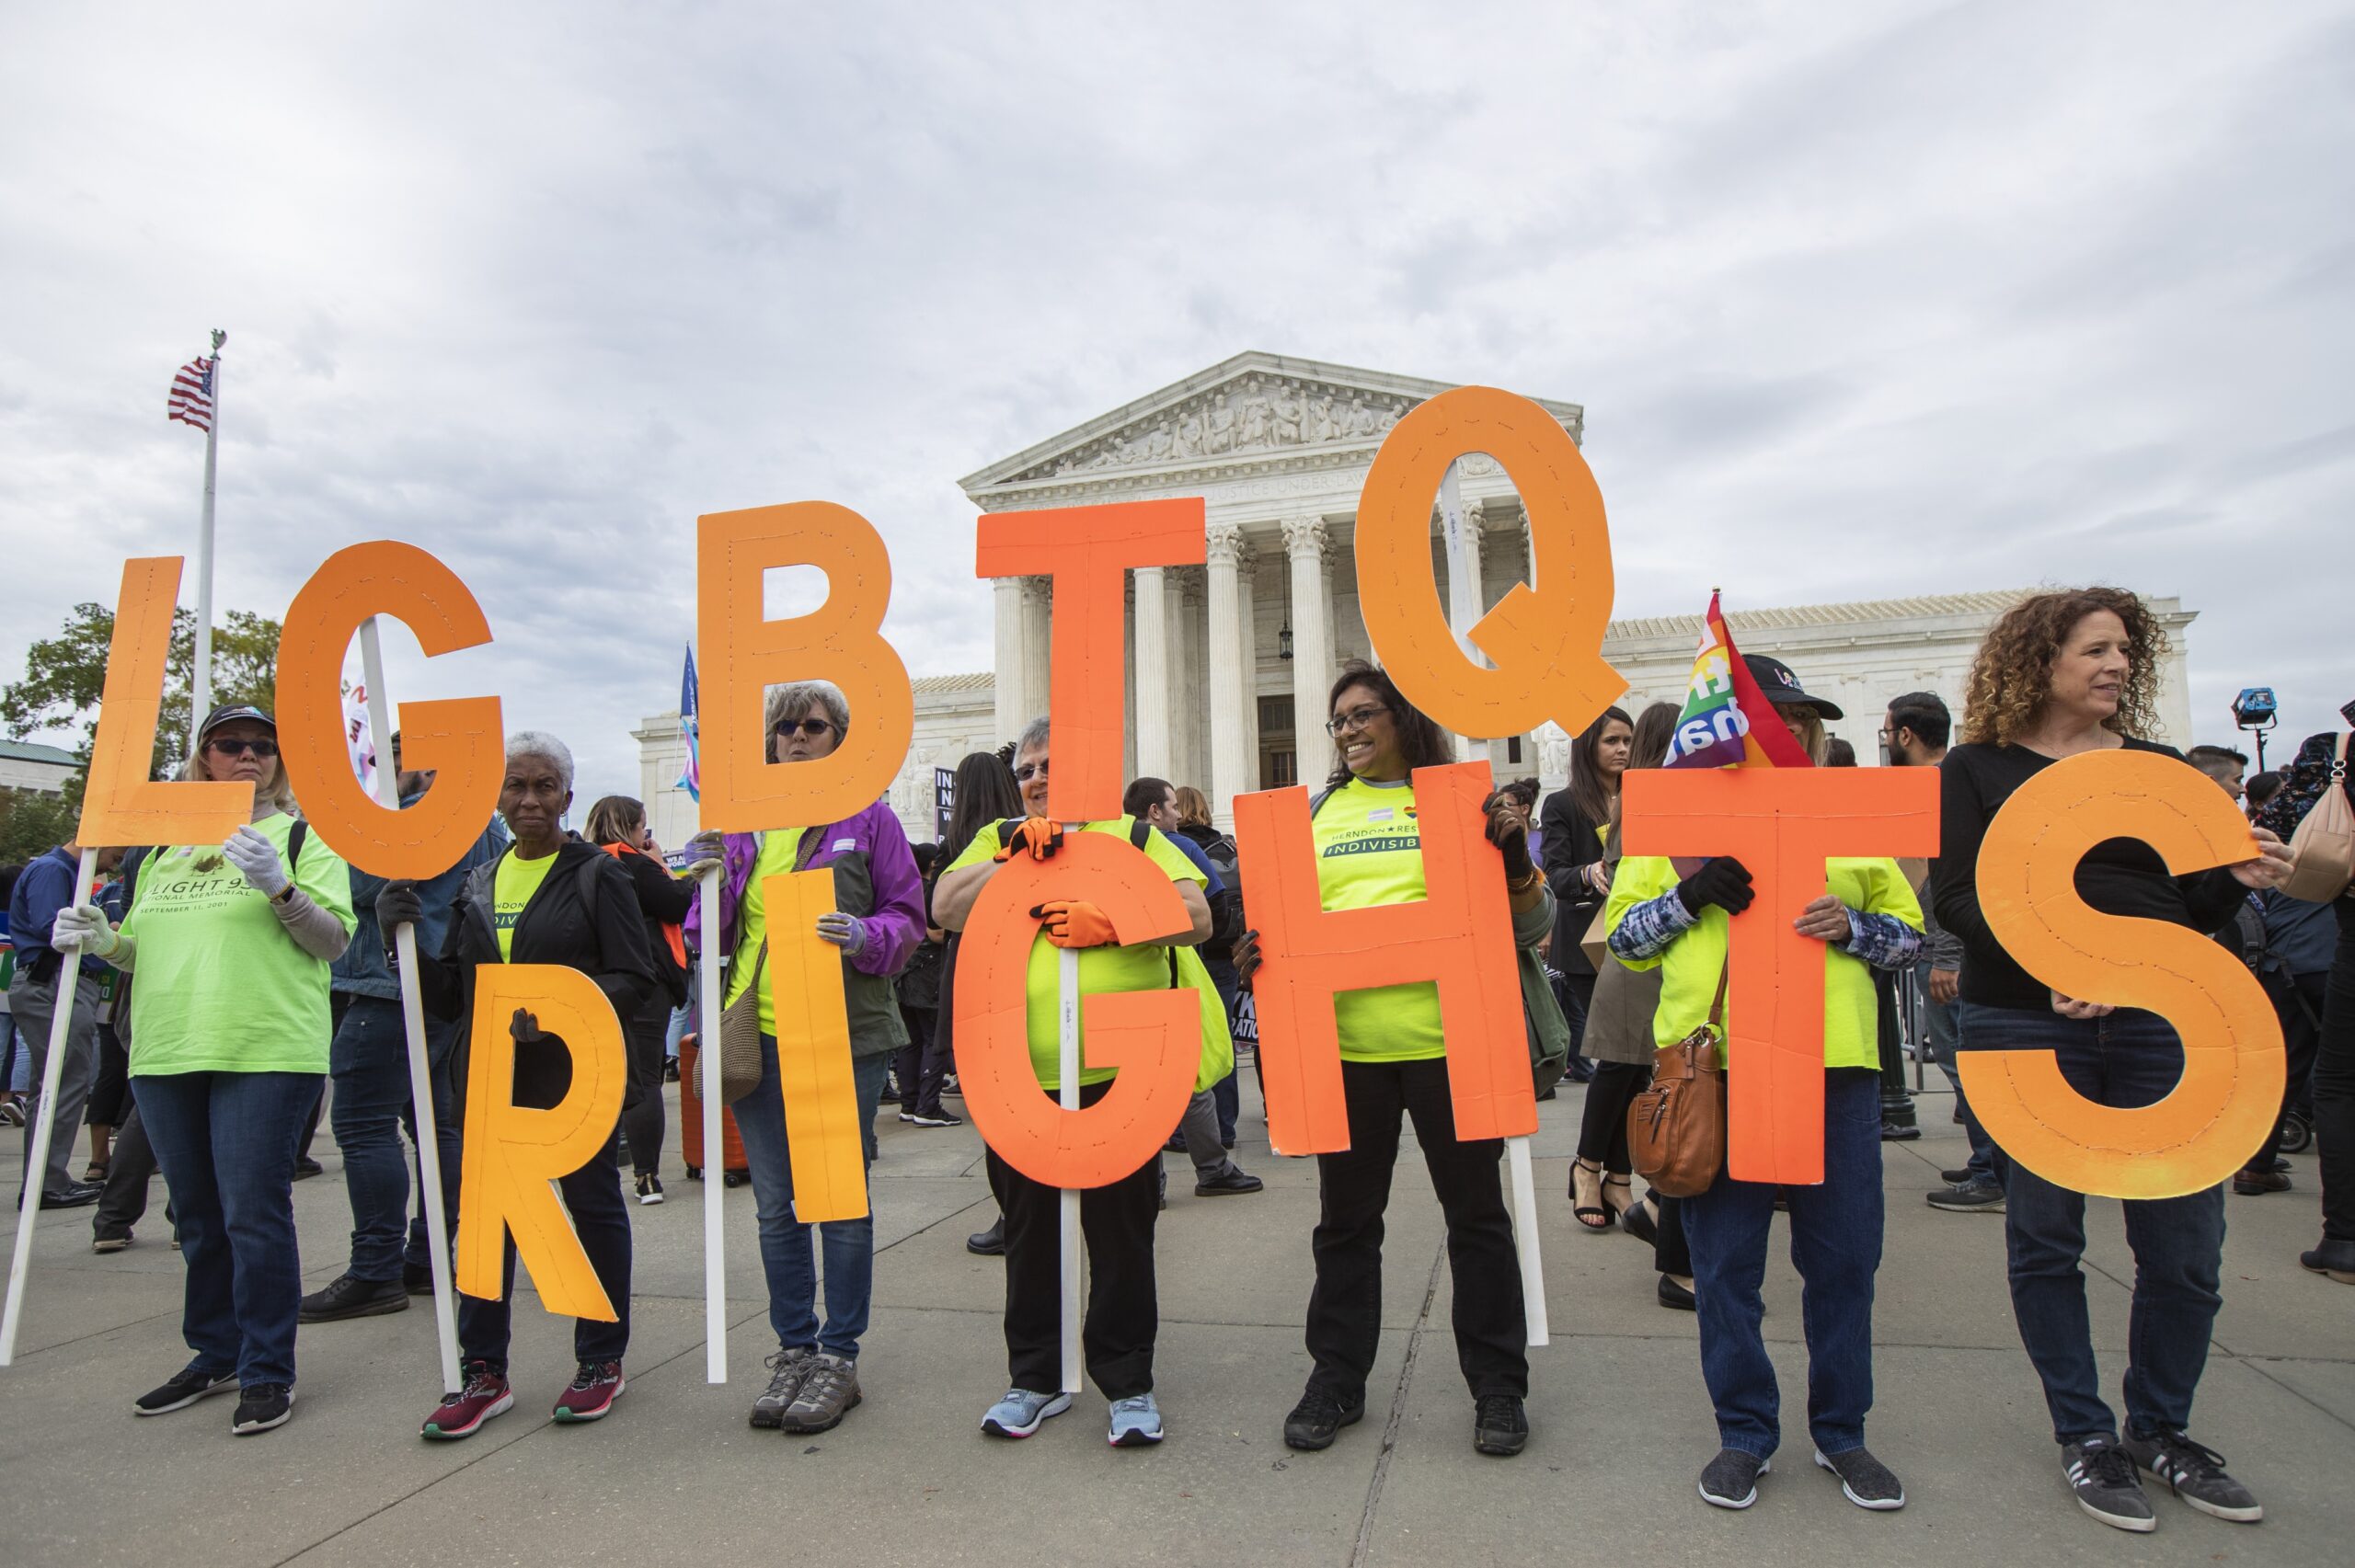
column 1186, row 662
column 1312, row 648
column 1230, row 656
column 1247, row 578
column 1153, row 673
column 1012, row 709
column 1038, row 600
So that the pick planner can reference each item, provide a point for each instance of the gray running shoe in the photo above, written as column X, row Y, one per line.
column 1970, row 1197
column 2196, row 1472
column 1732, row 1480
column 2102, row 1475
column 787, row 1368
column 1022, row 1412
column 1868, row 1482
column 828, row 1392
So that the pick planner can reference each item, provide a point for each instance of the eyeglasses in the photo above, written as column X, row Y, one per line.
column 1356, row 718
column 1029, row 771
column 230, row 746
column 812, row 728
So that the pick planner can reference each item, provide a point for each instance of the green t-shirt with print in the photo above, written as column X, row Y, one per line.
column 778, row 849
column 1370, row 850
column 511, row 887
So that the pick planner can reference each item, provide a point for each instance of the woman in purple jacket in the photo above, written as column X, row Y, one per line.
column 878, row 919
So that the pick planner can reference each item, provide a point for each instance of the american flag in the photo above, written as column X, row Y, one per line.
column 191, row 401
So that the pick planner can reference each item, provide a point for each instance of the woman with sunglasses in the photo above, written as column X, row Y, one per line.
column 1394, row 1065
column 228, row 1051
column 876, row 922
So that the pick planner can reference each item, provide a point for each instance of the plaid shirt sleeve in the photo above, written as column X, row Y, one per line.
column 1645, row 931
column 1882, row 941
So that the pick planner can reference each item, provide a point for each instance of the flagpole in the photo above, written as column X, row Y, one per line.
column 201, row 699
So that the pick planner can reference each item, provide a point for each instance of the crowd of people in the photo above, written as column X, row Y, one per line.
column 213, row 991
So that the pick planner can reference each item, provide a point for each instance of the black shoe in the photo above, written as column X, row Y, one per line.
column 1226, row 1142
column 1675, row 1297
column 304, row 1169
column 261, row 1407
column 1868, row 1482
column 1176, row 1144
column 2195, row 1472
column 183, row 1388
column 1956, row 1177
column 1499, row 1425
column 1732, row 1478
column 988, row 1243
column 347, row 1296
column 1970, row 1197
column 934, row 1118
column 2335, row 1259
column 1899, row 1132
column 1550, row 1093
column 417, row 1278
column 72, row 1194
column 889, row 1096
column 1317, row 1418
column 1233, row 1179
column 670, row 1069
column 1640, row 1224
column 2101, row 1474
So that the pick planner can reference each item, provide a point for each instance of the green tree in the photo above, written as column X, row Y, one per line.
column 32, row 823
column 64, row 676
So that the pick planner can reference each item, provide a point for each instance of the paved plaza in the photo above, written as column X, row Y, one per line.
column 1620, row 1423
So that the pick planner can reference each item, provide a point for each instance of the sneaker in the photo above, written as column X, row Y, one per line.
column 1732, row 1478
column 1900, row 1132
column 12, row 1113
column 349, row 1296
column 828, row 1392
column 261, row 1407
column 650, row 1189
column 1135, row 1423
column 1021, row 1413
column 184, row 1389
column 2102, row 1475
column 2335, row 1259
column 933, row 1119
column 1675, row 1297
column 787, row 1368
column 1499, row 1425
column 988, row 1243
column 1233, row 1179
column 460, row 1414
column 1868, row 1482
column 1970, row 1197
column 2195, row 1472
column 111, row 1244
column 1317, row 1419
column 595, row 1386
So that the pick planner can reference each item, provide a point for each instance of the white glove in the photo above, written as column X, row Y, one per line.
column 256, row 857
column 84, row 927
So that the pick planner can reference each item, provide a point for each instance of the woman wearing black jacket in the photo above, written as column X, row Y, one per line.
column 617, row 826
column 550, row 898
column 1574, row 825
column 2064, row 673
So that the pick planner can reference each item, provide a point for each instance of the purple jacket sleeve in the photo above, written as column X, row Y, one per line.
column 896, row 927
column 737, row 854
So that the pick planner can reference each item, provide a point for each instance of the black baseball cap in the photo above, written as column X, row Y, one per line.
column 1776, row 680
column 228, row 711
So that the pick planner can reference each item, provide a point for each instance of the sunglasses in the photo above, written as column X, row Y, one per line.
column 233, row 748
column 1029, row 771
column 812, row 728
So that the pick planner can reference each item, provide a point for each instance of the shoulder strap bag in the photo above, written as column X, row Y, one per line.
column 2324, row 845
column 1676, row 1128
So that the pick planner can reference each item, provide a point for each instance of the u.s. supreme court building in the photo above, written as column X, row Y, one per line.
column 1229, row 662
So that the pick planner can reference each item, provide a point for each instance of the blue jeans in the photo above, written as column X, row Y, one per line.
column 785, row 1254
column 369, row 1063
column 1227, row 1092
column 2130, row 1057
column 225, row 1141
column 1836, row 1246
column 1946, row 1038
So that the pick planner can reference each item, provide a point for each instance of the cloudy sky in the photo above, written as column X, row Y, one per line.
column 1862, row 300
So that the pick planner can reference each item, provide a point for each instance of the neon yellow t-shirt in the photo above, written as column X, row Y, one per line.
column 1691, row 964
column 1143, row 966
column 511, row 887
column 222, row 986
column 1369, row 851
column 777, row 852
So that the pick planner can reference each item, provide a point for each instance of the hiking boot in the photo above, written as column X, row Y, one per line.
column 460, row 1414
column 650, row 1189
column 1021, row 1413
column 2335, row 1259
column 2102, row 1475
column 988, row 1243
column 595, row 1386
column 787, row 1368
column 349, row 1296
column 828, row 1392
column 261, row 1407
column 1135, row 1422
column 1233, row 1179
column 1868, row 1482
column 1499, row 1425
column 1317, row 1419
column 1970, row 1197
column 2195, row 1472
column 183, row 1388
column 1730, row 1480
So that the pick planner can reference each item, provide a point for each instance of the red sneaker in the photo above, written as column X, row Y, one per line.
column 460, row 1414
column 592, row 1391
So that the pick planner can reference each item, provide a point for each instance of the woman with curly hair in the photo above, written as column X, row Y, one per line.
column 2063, row 673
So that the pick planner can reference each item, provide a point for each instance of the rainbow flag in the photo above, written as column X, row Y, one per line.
column 1726, row 721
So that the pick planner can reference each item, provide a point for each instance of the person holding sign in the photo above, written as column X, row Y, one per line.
column 1866, row 919
column 2061, row 675
column 1394, row 1066
column 876, row 922
column 228, row 1050
column 550, row 898
column 1123, row 1311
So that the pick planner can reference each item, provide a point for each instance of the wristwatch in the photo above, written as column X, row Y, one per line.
column 283, row 895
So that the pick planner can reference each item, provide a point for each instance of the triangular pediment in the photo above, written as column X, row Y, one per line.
column 1254, row 408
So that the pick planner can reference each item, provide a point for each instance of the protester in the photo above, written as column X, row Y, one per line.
column 368, row 1063
column 549, row 898
column 2262, row 788
column 1866, row 919
column 122, row 1197
column 984, row 793
column 2062, row 674
column 922, row 1062
column 617, row 825
column 41, row 895
column 1394, row 1065
column 876, row 922
column 1578, row 822
column 229, row 1047
column 1218, row 953
column 1116, row 1220
column 2222, row 763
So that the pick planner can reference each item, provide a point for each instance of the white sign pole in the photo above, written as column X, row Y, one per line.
column 200, row 696
column 1068, row 962
column 420, row 1062
column 715, row 1153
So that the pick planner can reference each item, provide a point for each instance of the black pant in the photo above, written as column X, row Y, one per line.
column 123, row 1200
column 1123, row 1307
column 1354, row 1190
column 1575, row 993
column 1670, row 1255
column 1897, row 1100
column 1603, row 1130
column 592, row 1196
column 920, row 1063
column 2298, row 1001
column 110, row 1089
column 642, row 1106
column 2334, row 1085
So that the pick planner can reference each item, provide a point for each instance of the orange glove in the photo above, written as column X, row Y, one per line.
column 1037, row 835
column 1074, row 923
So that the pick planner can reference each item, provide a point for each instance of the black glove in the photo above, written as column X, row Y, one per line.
column 1246, row 958
column 1507, row 828
column 524, row 1027
column 1723, row 881
column 397, row 904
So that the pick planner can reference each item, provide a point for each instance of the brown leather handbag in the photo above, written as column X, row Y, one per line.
column 1676, row 1128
